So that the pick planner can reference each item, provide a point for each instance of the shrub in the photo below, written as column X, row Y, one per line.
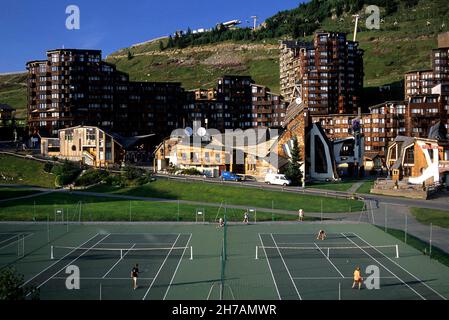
column 116, row 181
column 90, row 177
column 48, row 167
column 66, row 173
column 132, row 173
column 191, row 172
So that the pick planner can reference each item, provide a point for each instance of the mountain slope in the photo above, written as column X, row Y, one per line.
column 407, row 34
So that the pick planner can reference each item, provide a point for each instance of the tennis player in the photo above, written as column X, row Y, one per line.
column 357, row 278
column 246, row 217
column 301, row 215
column 220, row 223
column 321, row 235
column 134, row 275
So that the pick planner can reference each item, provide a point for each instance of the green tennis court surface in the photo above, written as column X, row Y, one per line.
column 185, row 261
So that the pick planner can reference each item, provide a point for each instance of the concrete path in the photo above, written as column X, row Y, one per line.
column 355, row 187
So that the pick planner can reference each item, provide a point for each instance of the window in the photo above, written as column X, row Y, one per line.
column 90, row 135
column 409, row 156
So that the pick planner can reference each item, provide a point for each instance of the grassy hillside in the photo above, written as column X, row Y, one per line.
column 13, row 92
column 201, row 66
column 403, row 43
column 15, row 170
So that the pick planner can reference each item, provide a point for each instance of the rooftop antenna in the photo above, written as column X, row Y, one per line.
column 356, row 16
column 255, row 22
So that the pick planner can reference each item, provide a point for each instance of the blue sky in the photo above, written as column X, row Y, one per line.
column 30, row 27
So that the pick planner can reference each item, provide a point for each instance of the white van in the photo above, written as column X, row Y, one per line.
column 278, row 179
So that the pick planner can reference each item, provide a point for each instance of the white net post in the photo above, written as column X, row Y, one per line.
column 191, row 253
column 328, row 253
column 121, row 253
column 257, row 252
column 339, row 291
column 397, row 252
column 52, row 256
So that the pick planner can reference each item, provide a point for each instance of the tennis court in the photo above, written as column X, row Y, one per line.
column 305, row 268
column 105, row 261
column 198, row 261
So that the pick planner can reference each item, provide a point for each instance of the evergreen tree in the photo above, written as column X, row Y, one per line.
column 161, row 46
column 170, row 43
column 11, row 286
column 293, row 171
column 130, row 55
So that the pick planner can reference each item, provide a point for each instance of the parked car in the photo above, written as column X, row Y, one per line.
column 229, row 176
column 278, row 179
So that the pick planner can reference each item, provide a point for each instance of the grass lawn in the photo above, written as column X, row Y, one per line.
column 334, row 186
column 9, row 193
column 427, row 216
column 366, row 187
column 420, row 245
column 107, row 209
column 208, row 192
column 25, row 172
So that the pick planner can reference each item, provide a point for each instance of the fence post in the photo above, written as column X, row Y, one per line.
column 430, row 242
column 406, row 229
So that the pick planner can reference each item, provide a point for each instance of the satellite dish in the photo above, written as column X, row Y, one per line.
column 201, row 132
column 298, row 100
column 188, row 131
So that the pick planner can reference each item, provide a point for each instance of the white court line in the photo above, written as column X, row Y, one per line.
column 311, row 243
column 335, row 278
column 121, row 258
column 386, row 269
column 288, row 271
column 441, row 296
column 13, row 237
column 148, row 234
column 162, row 265
column 96, row 278
column 15, row 241
column 269, row 266
column 176, row 270
column 327, row 258
column 68, row 264
column 57, row 261
column 138, row 243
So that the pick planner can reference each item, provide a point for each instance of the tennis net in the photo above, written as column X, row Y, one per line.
column 330, row 251
column 59, row 252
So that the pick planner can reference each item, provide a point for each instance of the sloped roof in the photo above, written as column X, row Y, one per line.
column 293, row 110
column 403, row 142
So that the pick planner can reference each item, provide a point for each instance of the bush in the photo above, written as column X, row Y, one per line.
column 132, row 173
column 48, row 167
column 116, row 181
column 191, row 172
column 66, row 173
column 91, row 177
